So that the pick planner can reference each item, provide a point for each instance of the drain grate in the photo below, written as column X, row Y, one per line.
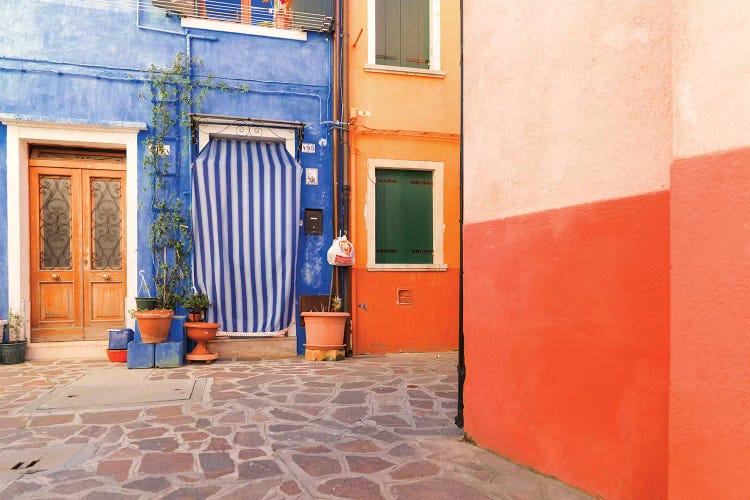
column 24, row 465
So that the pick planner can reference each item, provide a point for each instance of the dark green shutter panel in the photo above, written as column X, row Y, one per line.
column 415, row 34
column 403, row 217
column 388, row 32
column 417, row 217
column 389, row 229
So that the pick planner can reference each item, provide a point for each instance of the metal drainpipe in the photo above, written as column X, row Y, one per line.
column 461, row 359
column 336, row 151
column 188, row 48
column 346, row 188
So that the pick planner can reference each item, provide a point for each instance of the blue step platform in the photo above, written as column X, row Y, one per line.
column 140, row 355
column 169, row 354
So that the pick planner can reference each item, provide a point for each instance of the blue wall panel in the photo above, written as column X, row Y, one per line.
column 3, row 225
column 75, row 61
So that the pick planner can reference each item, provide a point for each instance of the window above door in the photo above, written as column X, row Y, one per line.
column 404, row 36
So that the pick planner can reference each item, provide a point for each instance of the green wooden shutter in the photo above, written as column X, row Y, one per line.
column 389, row 230
column 403, row 217
column 388, row 32
column 415, row 34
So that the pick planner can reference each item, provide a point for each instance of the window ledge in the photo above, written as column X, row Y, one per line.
column 246, row 29
column 399, row 70
column 407, row 267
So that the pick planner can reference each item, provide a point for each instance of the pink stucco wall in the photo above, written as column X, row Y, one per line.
column 567, row 103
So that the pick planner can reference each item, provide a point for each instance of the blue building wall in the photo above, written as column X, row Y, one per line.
column 88, row 64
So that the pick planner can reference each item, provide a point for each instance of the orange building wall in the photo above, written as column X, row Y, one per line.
column 567, row 345
column 411, row 118
column 709, row 449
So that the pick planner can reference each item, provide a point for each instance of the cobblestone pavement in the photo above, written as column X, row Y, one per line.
column 366, row 427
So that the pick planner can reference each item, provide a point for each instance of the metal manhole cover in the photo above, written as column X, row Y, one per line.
column 118, row 388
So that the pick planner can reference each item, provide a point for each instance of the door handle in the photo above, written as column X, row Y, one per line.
column 55, row 276
column 106, row 276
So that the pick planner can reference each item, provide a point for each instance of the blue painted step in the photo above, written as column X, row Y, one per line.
column 169, row 354
column 140, row 355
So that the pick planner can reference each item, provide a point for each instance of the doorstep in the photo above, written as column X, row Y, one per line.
column 80, row 349
column 227, row 349
column 254, row 348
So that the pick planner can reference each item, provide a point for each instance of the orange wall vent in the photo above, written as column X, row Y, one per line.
column 404, row 296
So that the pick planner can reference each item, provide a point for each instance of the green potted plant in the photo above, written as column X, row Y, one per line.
column 196, row 306
column 14, row 351
column 144, row 301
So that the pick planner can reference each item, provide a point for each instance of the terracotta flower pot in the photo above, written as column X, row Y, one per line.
column 325, row 328
column 154, row 325
column 201, row 333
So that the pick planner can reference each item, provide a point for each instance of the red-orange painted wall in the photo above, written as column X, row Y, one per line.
column 430, row 323
column 567, row 342
column 709, row 441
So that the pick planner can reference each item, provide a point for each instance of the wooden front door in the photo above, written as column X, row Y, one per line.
column 77, row 221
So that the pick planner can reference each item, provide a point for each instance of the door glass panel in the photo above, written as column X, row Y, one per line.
column 106, row 224
column 55, row 227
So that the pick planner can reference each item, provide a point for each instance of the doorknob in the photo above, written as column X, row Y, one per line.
column 55, row 276
column 106, row 276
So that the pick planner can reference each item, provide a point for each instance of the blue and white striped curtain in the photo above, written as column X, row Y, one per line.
column 246, row 205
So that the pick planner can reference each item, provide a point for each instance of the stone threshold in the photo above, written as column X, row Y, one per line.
column 246, row 348
column 254, row 348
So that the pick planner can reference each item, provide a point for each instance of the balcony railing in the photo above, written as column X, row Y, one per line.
column 280, row 15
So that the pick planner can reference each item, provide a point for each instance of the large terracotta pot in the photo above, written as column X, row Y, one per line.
column 325, row 329
column 154, row 325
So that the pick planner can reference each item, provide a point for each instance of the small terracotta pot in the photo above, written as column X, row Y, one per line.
column 117, row 355
column 154, row 325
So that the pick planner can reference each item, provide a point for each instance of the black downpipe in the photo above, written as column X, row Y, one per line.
column 461, row 360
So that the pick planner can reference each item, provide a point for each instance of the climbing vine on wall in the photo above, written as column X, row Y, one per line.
column 174, row 95
column 175, row 92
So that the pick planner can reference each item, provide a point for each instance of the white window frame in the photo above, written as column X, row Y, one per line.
column 434, row 45
column 438, row 227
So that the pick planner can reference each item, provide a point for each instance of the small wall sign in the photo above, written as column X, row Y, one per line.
column 308, row 147
column 311, row 176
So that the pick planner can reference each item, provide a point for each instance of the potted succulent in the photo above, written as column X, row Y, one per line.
column 196, row 306
column 14, row 351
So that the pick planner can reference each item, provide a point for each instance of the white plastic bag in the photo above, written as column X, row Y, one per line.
column 341, row 252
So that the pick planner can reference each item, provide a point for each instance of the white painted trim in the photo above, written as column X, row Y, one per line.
column 401, row 70
column 371, row 31
column 245, row 29
column 20, row 134
column 434, row 35
column 208, row 130
column 438, row 227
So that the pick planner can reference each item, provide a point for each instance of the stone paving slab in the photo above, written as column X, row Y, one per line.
column 366, row 427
